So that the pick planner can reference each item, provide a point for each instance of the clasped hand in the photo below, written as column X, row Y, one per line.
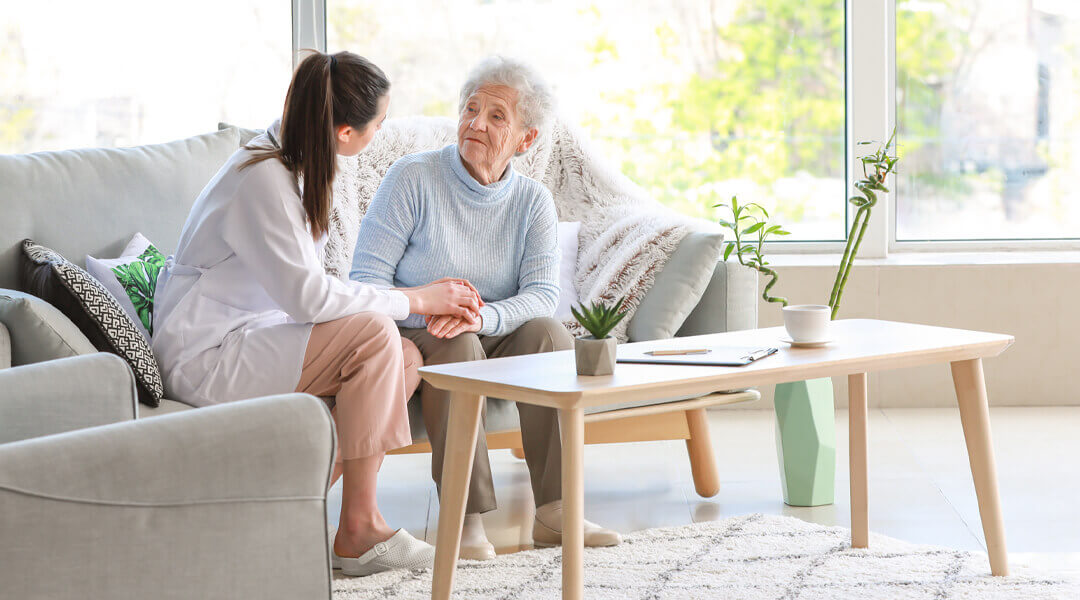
column 451, row 306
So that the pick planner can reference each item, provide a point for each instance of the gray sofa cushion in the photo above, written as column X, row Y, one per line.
column 92, row 201
column 165, row 407
column 730, row 302
column 5, row 347
column 38, row 330
column 677, row 288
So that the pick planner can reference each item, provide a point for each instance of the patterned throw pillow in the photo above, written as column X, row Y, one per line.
column 49, row 276
column 131, row 279
column 139, row 278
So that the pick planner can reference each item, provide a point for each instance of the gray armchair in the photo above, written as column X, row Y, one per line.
column 63, row 395
column 221, row 502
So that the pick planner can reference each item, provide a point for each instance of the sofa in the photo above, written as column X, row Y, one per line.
column 91, row 201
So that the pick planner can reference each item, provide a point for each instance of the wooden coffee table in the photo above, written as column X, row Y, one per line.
column 861, row 346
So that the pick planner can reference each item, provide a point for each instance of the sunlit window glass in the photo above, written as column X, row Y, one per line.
column 125, row 72
column 988, row 108
column 694, row 100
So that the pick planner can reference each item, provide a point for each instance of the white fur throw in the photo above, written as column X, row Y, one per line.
column 626, row 237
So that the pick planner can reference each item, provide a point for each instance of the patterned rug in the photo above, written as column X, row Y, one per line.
column 751, row 557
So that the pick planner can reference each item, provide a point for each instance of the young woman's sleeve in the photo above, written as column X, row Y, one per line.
column 266, row 228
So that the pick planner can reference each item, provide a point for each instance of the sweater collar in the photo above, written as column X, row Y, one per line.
column 479, row 191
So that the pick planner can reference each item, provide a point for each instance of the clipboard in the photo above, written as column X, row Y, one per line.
column 717, row 356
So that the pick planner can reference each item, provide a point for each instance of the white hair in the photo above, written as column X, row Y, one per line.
column 535, row 103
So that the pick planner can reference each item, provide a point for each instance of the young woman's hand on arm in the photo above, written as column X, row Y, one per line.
column 448, row 296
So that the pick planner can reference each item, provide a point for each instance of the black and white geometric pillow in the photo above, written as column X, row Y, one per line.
column 85, row 301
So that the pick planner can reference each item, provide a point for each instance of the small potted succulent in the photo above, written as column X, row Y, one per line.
column 596, row 353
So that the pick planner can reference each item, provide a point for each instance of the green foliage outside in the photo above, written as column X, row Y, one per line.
column 768, row 103
column 17, row 115
column 139, row 279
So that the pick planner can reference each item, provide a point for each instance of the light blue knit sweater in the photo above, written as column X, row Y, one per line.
column 431, row 219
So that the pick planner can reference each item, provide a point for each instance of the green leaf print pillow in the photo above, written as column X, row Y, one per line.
column 131, row 279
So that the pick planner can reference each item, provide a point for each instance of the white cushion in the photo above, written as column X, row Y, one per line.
column 568, row 246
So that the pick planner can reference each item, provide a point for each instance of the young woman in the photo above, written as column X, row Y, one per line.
column 245, row 309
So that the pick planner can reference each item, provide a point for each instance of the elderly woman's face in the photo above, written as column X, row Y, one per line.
column 490, row 130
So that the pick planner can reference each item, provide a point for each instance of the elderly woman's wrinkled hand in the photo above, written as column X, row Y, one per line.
column 448, row 327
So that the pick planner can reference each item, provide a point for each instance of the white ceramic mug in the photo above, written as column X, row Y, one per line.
column 807, row 323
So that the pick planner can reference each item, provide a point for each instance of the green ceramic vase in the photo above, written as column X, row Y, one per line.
column 806, row 441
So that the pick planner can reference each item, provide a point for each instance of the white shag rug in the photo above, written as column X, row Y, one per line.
column 750, row 557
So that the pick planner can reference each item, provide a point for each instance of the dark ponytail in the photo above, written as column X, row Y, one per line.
column 326, row 91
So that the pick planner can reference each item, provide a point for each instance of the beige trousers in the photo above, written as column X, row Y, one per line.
column 368, row 372
column 539, row 425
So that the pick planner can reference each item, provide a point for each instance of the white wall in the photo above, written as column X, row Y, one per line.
column 1032, row 298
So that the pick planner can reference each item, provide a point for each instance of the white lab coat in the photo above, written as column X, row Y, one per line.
column 234, row 306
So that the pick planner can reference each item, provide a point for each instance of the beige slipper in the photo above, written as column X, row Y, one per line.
column 474, row 541
column 547, row 529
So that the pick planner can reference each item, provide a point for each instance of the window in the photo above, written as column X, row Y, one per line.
column 695, row 101
column 125, row 72
column 988, row 107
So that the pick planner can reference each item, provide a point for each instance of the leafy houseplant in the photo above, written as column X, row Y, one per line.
column 807, row 462
column 880, row 164
column 595, row 354
column 745, row 222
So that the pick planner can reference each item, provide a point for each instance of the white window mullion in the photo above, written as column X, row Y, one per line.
column 871, row 104
column 308, row 27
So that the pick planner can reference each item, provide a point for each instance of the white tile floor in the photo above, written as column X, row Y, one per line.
column 920, row 485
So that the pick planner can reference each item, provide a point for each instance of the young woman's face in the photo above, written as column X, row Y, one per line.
column 351, row 141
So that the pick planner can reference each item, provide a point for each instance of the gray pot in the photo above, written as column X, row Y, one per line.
column 595, row 357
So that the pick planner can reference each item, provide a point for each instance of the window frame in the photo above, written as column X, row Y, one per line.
column 308, row 27
column 870, row 98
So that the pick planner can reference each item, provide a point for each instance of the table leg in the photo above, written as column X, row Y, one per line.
column 462, row 427
column 572, row 426
column 699, row 446
column 860, row 522
column 975, row 418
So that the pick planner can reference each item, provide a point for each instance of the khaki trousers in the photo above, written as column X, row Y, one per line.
column 539, row 425
column 361, row 363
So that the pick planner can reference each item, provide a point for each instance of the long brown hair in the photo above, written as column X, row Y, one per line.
column 326, row 91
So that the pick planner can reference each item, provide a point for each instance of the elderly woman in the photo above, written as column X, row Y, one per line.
column 464, row 211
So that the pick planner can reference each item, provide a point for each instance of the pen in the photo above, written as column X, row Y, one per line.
column 677, row 352
column 762, row 353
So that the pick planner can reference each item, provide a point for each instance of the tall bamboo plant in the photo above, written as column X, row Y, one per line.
column 745, row 222
column 876, row 167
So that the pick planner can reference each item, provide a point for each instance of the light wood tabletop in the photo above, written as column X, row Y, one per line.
column 859, row 346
